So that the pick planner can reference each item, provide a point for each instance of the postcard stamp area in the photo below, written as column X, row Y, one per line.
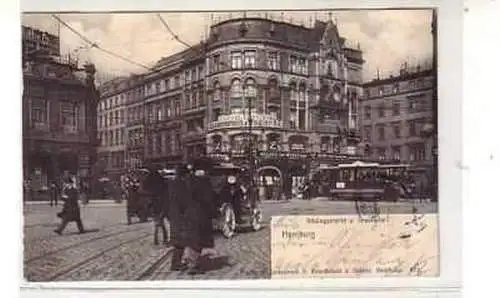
column 353, row 246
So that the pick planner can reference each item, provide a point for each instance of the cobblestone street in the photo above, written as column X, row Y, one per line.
column 113, row 250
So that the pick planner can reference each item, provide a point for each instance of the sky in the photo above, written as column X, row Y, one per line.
column 386, row 37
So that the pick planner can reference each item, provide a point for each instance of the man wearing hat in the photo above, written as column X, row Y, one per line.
column 192, row 208
column 156, row 187
column 71, row 209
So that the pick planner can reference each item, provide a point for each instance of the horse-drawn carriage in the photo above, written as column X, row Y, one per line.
column 233, row 185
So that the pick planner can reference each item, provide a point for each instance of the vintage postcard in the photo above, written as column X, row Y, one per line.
column 230, row 145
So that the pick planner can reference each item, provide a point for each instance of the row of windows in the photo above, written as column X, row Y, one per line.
column 142, row 91
column 113, row 137
column 163, row 110
column 248, row 59
column 395, row 88
column 413, row 127
column 416, row 104
column 192, row 75
column 114, row 160
column 68, row 115
column 113, row 118
column 135, row 114
column 416, row 152
column 164, row 143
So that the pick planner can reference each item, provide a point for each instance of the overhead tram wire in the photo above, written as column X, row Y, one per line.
column 175, row 36
column 95, row 45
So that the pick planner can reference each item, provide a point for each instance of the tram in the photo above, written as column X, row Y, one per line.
column 360, row 181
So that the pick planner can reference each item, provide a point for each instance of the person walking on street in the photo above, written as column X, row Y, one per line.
column 54, row 193
column 156, row 187
column 192, row 208
column 71, row 209
column 179, row 196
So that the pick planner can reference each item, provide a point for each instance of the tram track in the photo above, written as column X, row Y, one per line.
column 84, row 262
column 152, row 271
column 54, row 265
column 77, row 243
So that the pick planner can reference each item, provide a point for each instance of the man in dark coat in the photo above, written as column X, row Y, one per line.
column 180, row 196
column 54, row 193
column 232, row 192
column 192, row 208
column 156, row 186
column 71, row 209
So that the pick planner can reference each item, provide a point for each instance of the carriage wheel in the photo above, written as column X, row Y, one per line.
column 228, row 222
column 256, row 219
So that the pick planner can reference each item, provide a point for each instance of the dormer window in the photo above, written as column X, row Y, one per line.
column 272, row 29
column 243, row 29
column 215, row 33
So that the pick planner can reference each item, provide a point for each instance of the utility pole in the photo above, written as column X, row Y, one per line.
column 251, row 158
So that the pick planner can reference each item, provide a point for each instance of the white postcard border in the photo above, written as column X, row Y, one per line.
column 450, row 143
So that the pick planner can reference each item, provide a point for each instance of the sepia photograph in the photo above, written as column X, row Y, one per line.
column 230, row 145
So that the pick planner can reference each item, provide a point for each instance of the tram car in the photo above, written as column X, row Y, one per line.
column 359, row 180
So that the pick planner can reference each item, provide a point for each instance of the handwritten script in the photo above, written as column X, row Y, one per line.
column 350, row 246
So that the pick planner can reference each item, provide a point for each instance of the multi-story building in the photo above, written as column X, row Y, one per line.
column 165, row 105
column 112, row 116
column 395, row 115
column 59, row 113
column 300, row 84
column 135, row 122
column 40, row 42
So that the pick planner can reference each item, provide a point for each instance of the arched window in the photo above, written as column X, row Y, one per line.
column 250, row 88
column 329, row 70
column 336, row 95
column 293, row 91
column 217, row 92
column 302, row 92
column 273, row 91
column 236, row 89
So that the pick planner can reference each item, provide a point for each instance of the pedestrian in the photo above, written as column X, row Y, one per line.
column 71, row 209
column 191, row 210
column 232, row 193
column 156, row 187
column 54, row 193
column 179, row 196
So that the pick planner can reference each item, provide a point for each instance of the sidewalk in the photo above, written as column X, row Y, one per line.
column 91, row 202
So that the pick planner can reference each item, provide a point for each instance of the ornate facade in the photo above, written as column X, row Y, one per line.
column 59, row 117
column 300, row 84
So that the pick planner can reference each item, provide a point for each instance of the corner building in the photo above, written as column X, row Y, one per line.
column 301, row 84
column 59, row 104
